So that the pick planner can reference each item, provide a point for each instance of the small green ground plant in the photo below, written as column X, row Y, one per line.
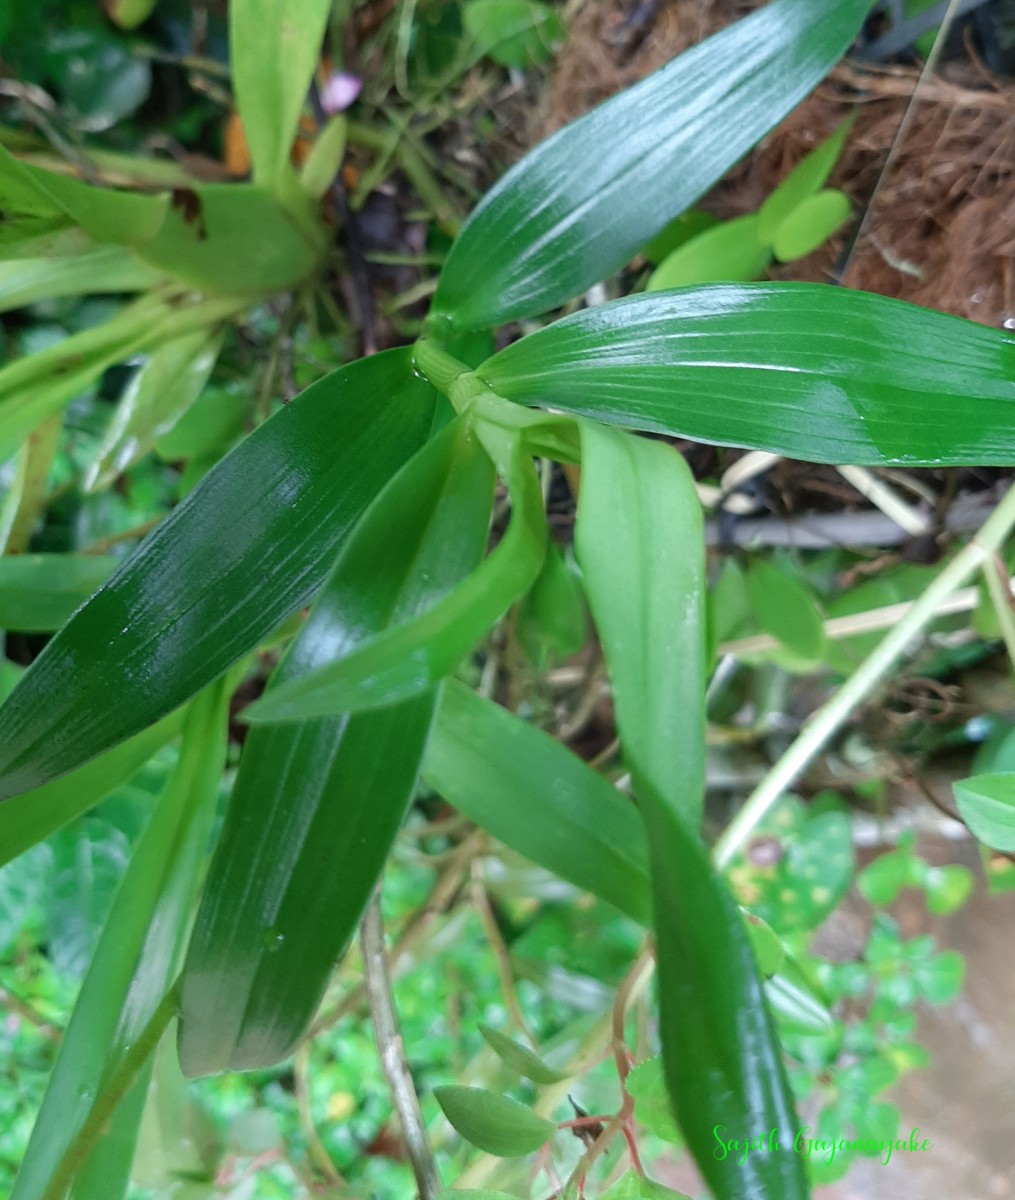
column 369, row 498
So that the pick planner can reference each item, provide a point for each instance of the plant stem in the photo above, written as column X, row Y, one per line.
column 392, row 1052
column 113, row 1090
column 827, row 720
column 998, row 586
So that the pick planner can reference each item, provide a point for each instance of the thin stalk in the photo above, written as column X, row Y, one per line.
column 112, row 1092
column 999, row 590
column 392, row 1052
column 828, row 719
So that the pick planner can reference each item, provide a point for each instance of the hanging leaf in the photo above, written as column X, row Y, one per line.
column 538, row 798
column 640, row 545
column 806, row 370
column 246, row 548
column 317, row 805
column 523, row 1060
column 586, row 200
column 495, row 1124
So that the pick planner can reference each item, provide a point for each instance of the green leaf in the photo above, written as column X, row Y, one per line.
column 417, row 654
column 158, row 394
column 38, row 592
column 811, row 223
column 637, row 1187
column 805, row 370
column 646, row 1086
column 33, row 816
column 587, row 199
column 939, row 979
column 28, row 496
column 537, row 797
column 552, row 620
column 796, row 1008
column 135, row 961
column 475, row 1194
column 987, row 805
column 246, row 548
column 680, row 230
column 525, row 1061
column 264, row 35
column 495, row 1124
column 316, row 806
column 882, row 879
column 784, row 608
column 947, row 888
column 768, row 949
column 729, row 251
column 806, row 178
column 639, row 542
column 514, row 33
column 23, row 281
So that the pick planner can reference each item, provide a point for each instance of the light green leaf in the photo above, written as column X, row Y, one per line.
column 525, row 1061
column 135, row 961
column 639, row 542
column 811, row 223
column 514, row 33
column 806, row 178
column 105, row 269
column 783, row 607
column 729, row 251
column 652, row 1108
column 987, row 805
column 537, row 797
column 806, row 370
column 27, row 498
column 495, row 1124
column 39, row 592
column 158, row 394
column 587, row 199
column 637, row 1187
column 274, row 46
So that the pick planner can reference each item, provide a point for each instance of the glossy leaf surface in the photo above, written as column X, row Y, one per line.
column 583, row 202
column 805, row 370
column 246, row 548
column 262, row 35
column 496, row 1124
column 537, row 797
column 416, row 654
column 317, row 804
column 135, row 960
column 640, row 544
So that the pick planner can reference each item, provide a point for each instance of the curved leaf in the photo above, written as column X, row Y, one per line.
column 519, row 1057
column 640, row 544
column 105, row 269
column 987, row 805
column 537, row 797
column 317, row 805
column 805, row 370
column 246, row 548
column 417, row 654
column 581, row 204
column 494, row 1123
column 135, row 960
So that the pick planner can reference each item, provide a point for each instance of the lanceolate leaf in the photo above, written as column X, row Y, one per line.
column 106, row 269
column 538, row 798
column 247, row 547
column 136, row 957
column 30, row 818
column 263, row 34
column 417, row 654
column 641, row 550
column 810, row 371
column 317, row 804
column 582, row 203
column 640, row 545
column 496, row 1124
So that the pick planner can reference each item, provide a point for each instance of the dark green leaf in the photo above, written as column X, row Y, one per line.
column 39, row 592
column 135, row 960
column 525, row 1061
column 987, row 805
column 494, row 1123
column 640, row 545
column 587, row 199
column 806, row 370
column 317, row 805
column 538, row 798
column 246, row 548
column 416, row 654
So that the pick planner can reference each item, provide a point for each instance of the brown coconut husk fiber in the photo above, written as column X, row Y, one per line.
column 941, row 230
